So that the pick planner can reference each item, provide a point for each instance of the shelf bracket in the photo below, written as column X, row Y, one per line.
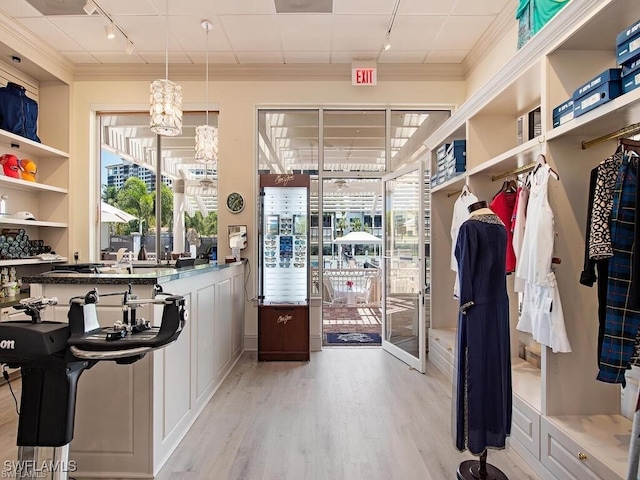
column 623, row 132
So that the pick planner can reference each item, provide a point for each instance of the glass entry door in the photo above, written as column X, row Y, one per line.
column 403, row 327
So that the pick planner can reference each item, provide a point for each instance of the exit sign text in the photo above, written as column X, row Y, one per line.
column 364, row 76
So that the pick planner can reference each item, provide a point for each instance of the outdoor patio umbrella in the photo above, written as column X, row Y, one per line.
column 357, row 238
column 111, row 214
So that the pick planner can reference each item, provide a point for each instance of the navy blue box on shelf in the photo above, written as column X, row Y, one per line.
column 441, row 152
column 602, row 89
column 563, row 113
column 631, row 81
column 628, row 44
column 630, row 67
column 458, row 151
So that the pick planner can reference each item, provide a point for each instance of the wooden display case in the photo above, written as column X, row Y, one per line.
column 283, row 307
column 283, row 333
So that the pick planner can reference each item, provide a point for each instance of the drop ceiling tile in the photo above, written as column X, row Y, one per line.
column 391, row 56
column 260, row 57
column 364, row 7
column 159, row 57
column 475, row 7
column 86, row 31
column 118, row 57
column 251, row 33
column 415, row 32
column 147, row 32
column 461, row 32
column 80, row 57
column 191, row 36
column 214, row 57
column 15, row 8
column 246, row 7
column 359, row 32
column 190, row 7
column 446, row 56
column 305, row 32
column 47, row 31
column 129, row 7
column 307, row 57
column 425, row 7
column 353, row 55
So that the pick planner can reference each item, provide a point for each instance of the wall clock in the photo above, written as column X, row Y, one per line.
column 235, row 202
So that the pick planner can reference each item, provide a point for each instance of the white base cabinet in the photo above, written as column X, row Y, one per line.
column 130, row 418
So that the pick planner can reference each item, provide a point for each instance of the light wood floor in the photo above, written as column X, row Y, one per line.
column 350, row 413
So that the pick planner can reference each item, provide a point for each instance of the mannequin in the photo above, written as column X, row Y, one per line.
column 482, row 314
column 480, row 208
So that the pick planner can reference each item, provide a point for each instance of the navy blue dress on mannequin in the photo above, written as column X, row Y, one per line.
column 482, row 395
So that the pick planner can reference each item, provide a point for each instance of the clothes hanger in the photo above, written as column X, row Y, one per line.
column 465, row 190
column 542, row 160
column 629, row 146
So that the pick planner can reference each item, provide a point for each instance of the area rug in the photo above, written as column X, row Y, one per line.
column 352, row 339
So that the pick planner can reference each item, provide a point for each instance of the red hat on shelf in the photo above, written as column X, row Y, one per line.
column 10, row 165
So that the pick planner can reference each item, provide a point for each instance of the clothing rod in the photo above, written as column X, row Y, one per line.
column 623, row 132
column 451, row 194
column 515, row 171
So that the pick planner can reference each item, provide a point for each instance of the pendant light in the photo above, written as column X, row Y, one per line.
column 206, row 135
column 166, row 97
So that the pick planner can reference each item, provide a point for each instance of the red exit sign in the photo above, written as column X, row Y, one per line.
column 364, row 76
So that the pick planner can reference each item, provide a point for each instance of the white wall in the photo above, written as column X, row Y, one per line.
column 495, row 58
column 237, row 102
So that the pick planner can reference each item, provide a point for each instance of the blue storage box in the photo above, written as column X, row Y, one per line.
column 631, row 78
column 563, row 113
column 628, row 44
column 457, row 151
column 630, row 67
column 602, row 89
column 441, row 152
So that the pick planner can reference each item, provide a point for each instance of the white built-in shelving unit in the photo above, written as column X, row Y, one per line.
column 566, row 424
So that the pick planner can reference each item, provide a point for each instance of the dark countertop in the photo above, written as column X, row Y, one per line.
column 153, row 276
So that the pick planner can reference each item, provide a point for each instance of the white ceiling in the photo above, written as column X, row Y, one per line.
column 250, row 31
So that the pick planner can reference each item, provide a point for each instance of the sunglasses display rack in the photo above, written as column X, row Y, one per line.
column 283, row 308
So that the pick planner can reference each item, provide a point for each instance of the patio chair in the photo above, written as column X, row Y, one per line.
column 329, row 294
column 365, row 296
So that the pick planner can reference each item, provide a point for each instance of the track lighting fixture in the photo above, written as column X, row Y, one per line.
column 129, row 48
column 110, row 30
column 89, row 7
column 386, row 45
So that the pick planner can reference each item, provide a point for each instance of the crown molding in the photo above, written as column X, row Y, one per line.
column 39, row 59
column 270, row 72
column 498, row 29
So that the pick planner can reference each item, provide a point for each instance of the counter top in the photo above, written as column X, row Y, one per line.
column 144, row 276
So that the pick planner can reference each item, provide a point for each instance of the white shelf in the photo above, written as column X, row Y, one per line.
column 10, row 182
column 29, row 147
column 31, row 223
column 526, row 382
column 454, row 183
column 602, row 120
column 516, row 157
column 606, row 435
column 30, row 261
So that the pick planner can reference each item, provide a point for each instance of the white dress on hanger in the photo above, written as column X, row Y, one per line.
column 541, row 314
column 460, row 215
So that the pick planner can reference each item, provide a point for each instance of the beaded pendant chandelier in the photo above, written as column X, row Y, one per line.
column 166, row 97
